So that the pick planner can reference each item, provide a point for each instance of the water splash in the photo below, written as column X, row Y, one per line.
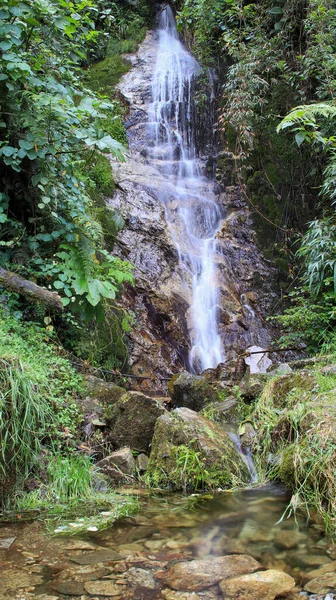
column 172, row 146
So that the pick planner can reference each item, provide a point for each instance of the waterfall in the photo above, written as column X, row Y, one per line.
column 195, row 221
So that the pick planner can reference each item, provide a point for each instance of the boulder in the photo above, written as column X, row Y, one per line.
column 264, row 584
column 100, row 392
column 119, row 465
column 248, row 434
column 190, row 451
column 131, row 420
column 191, row 391
column 198, row 575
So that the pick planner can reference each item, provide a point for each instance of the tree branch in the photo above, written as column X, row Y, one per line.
column 16, row 283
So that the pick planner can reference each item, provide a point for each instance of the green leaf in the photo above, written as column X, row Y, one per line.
column 59, row 285
column 4, row 45
column 299, row 138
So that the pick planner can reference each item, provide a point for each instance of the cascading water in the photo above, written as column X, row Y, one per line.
column 171, row 144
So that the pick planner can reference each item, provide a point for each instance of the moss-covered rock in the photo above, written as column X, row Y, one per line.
column 286, row 470
column 252, row 385
column 227, row 411
column 190, row 452
column 191, row 391
column 131, row 420
column 280, row 387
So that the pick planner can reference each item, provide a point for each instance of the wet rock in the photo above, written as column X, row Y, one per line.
column 14, row 579
column 69, row 588
column 322, row 585
column 131, row 420
column 141, row 577
column 264, row 584
column 197, row 575
column 90, row 574
column 172, row 595
column 142, row 461
column 98, row 556
column 5, row 543
column 119, row 465
column 181, row 434
column 45, row 597
column 191, row 391
column 288, row 539
column 103, row 588
column 248, row 435
column 252, row 385
column 329, row 568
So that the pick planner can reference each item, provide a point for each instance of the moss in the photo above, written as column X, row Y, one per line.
column 194, row 454
column 286, row 470
column 100, row 171
column 104, row 75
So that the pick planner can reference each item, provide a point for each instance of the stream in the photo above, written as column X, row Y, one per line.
column 131, row 559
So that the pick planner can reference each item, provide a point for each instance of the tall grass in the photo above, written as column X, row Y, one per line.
column 25, row 415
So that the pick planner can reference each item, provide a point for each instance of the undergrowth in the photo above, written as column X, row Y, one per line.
column 296, row 440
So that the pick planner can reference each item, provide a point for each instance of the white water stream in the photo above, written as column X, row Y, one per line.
column 171, row 144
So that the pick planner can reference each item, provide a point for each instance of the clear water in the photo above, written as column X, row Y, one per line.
column 167, row 529
column 171, row 145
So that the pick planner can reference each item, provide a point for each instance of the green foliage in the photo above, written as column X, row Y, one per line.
column 296, row 441
column 50, row 122
column 38, row 391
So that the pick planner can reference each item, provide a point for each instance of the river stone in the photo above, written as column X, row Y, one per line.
column 252, row 385
column 5, row 543
column 322, row 585
column 99, row 392
column 264, row 584
column 197, row 575
column 99, row 556
column 288, row 539
column 118, row 464
column 103, row 588
column 69, row 588
column 220, row 460
column 131, row 420
column 226, row 411
column 329, row 568
column 141, row 577
column 191, row 391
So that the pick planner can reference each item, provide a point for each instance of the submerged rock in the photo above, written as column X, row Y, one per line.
column 191, row 391
column 198, row 575
column 131, row 421
column 189, row 452
column 264, row 584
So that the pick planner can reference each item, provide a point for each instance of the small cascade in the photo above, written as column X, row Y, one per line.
column 172, row 149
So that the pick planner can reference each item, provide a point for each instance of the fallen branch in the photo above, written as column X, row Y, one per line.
column 29, row 289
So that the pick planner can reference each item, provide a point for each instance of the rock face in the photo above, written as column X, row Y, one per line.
column 198, row 575
column 264, row 584
column 191, row 452
column 161, row 296
column 191, row 391
column 131, row 420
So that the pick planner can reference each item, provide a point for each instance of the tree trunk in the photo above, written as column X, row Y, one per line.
column 16, row 283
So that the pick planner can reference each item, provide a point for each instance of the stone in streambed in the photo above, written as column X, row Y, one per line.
column 69, row 588
column 264, row 584
column 191, row 391
column 197, row 575
column 322, row 585
column 288, row 539
column 205, row 451
column 103, row 588
column 92, row 558
column 141, row 577
column 131, row 421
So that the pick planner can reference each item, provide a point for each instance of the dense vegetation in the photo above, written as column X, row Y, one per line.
column 273, row 56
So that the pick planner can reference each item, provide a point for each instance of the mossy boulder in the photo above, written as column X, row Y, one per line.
column 99, row 393
column 191, row 452
column 227, row 411
column 131, row 420
column 191, row 391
